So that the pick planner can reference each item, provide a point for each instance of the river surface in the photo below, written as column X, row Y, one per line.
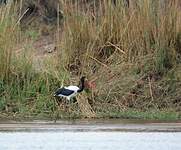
column 90, row 135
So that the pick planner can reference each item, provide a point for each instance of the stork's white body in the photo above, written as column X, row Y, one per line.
column 70, row 91
column 71, row 88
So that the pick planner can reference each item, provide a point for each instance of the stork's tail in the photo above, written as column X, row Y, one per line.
column 54, row 94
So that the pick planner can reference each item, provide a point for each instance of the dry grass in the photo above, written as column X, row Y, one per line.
column 131, row 33
column 6, row 33
column 128, row 51
column 85, row 107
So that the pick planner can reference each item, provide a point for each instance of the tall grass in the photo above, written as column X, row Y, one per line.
column 143, row 29
column 6, row 33
column 22, row 89
column 111, row 42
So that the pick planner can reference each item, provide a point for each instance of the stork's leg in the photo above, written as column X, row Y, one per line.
column 74, row 100
column 58, row 100
column 68, row 104
column 64, row 104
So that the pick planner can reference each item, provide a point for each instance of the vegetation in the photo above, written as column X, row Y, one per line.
column 131, row 53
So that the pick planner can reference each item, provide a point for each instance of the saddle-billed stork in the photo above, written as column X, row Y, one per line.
column 71, row 91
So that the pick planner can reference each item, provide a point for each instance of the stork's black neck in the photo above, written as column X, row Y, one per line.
column 81, row 86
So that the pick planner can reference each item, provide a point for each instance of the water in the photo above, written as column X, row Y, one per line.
column 90, row 136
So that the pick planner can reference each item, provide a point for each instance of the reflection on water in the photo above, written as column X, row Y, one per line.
column 90, row 135
column 90, row 141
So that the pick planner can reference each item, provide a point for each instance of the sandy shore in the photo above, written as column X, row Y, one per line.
column 96, row 125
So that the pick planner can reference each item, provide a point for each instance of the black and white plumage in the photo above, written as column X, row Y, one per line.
column 70, row 91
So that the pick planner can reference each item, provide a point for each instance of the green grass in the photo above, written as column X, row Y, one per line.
column 148, row 115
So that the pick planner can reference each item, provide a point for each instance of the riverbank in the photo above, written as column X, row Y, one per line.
column 91, row 125
column 56, row 116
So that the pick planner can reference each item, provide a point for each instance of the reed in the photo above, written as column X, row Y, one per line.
column 125, row 48
column 145, row 28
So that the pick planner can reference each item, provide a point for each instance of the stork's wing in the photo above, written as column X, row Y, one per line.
column 64, row 92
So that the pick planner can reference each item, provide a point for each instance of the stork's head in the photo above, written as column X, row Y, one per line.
column 89, row 85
